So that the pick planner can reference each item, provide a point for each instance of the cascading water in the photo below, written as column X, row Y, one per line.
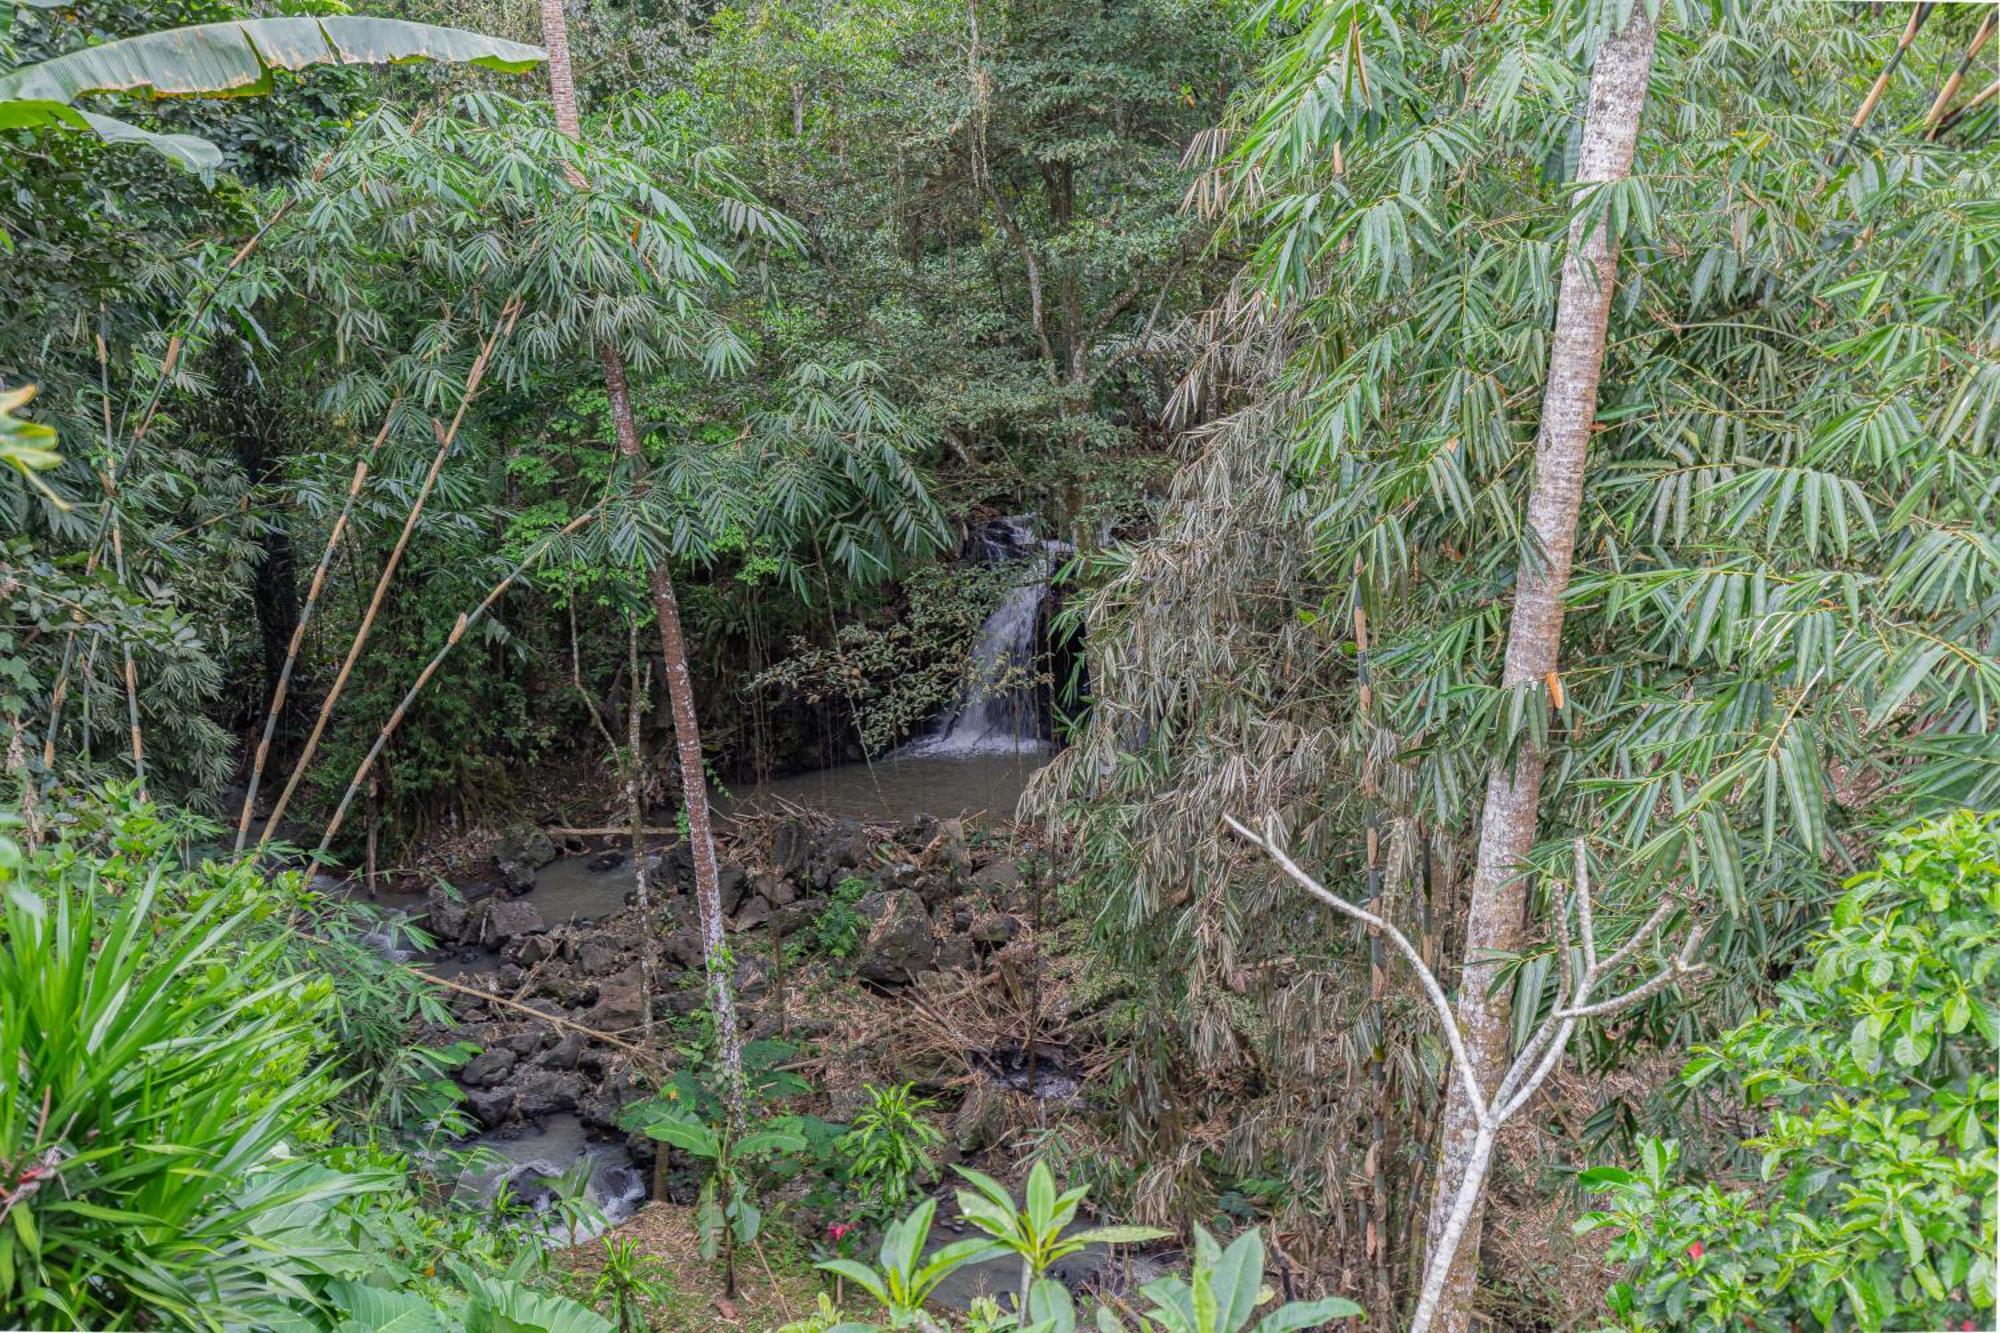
column 997, row 711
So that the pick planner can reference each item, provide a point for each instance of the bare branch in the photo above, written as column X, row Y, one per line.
column 1460, row 1059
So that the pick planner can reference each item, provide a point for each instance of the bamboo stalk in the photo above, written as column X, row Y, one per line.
column 175, row 343
column 1867, row 108
column 465, row 622
column 1985, row 95
column 501, row 327
column 109, row 480
column 1951, row 85
column 305, row 619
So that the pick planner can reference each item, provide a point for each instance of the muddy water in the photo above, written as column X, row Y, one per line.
column 903, row 784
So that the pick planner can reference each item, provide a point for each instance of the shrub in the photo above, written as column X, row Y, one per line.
column 1878, row 1200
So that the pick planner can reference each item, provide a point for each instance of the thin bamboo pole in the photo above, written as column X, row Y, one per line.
column 1987, row 94
column 1867, row 108
column 109, row 480
column 305, row 619
column 175, row 344
column 1935, row 115
column 465, row 622
column 501, row 327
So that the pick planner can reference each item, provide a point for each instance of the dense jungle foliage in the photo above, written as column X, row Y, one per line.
column 1498, row 504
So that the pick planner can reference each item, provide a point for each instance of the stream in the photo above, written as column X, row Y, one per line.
column 975, row 761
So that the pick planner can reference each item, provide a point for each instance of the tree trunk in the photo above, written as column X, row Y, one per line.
column 673, row 647
column 1496, row 916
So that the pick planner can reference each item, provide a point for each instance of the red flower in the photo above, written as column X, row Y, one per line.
column 835, row 1230
column 1696, row 1250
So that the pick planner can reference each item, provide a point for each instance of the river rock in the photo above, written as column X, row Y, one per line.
column 545, row 1092
column 621, row 1003
column 901, row 942
column 607, row 860
column 521, row 851
column 595, row 957
column 565, row 1053
column 487, row 1068
column 535, row 949
column 446, row 913
column 489, row 1106
column 511, row 917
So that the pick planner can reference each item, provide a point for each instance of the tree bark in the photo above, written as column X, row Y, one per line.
column 1497, row 915
column 673, row 645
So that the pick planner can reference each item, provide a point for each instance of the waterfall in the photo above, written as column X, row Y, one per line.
column 997, row 711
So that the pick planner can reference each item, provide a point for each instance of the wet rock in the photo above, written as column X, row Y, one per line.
column 565, row 1053
column 527, row 844
column 487, row 1068
column 544, row 1092
column 511, row 917
column 521, row 851
column 447, row 914
column 621, row 1003
column 603, row 861
column 900, row 943
column 489, row 1106
column 535, row 949
column 995, row 928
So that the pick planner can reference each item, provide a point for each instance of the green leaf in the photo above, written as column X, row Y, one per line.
column 1307, row 1314
column 1119, row 1235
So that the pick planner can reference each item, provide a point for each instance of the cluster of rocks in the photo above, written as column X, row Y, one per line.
column 927, row 899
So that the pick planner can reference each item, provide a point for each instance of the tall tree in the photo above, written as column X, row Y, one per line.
column 673, row 644
column 1497, row 914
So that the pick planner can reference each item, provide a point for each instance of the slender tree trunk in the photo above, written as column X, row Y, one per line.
column 673, row 646
column 1496, row 916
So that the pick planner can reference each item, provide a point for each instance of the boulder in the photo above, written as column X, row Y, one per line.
column 595, row 957
column 954, row 952
column 510, row 918
column 487, row 1068
column 754, row 913
column 527, row 844
column 489, row 1106
column 521, row 851
column 535, row 949
column 621, row 1003
column 565, row 1053
column 525, row 1042
column 901, row 942
column 790, row 846
column 446, row 913
column 730, row 882
column 543, row 1092
column 773, row 887
column 796, row 915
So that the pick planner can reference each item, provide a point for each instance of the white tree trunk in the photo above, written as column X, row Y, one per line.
column 1497, row 916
